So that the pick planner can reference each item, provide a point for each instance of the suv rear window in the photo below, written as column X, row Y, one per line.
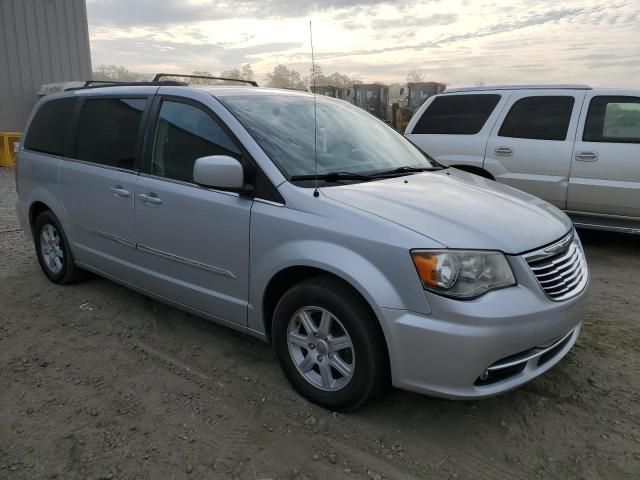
column 457, row 114
column 48, row 130
column 614, row 119
column 108, row 131
column 538, row 118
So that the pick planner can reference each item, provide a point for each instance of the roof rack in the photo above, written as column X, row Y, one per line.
column 205, row 77
column 157, row 82
column 90, row 84
column 540, row 86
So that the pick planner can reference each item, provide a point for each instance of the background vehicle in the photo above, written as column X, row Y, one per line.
column 571, row 145
column 416, row 94
column 374, row 98
column 227, row 202
column 333, row 92
column 420, row 92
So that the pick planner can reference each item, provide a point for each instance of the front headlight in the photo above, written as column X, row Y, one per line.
column 462, row 274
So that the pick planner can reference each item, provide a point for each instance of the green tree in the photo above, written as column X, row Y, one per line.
column 336, row 79
column 415, row 76
column 234, row 73
column 319, row 79
column 118, row 73
column 199, row 81
column 282, row 77
column 340, row 80
column 247, row 72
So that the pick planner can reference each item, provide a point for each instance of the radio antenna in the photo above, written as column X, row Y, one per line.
column 316, row 193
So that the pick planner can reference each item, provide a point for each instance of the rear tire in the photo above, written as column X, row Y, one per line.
column 329, row 344
column 52, row 248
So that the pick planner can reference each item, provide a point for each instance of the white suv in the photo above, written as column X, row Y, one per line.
column 573, row 146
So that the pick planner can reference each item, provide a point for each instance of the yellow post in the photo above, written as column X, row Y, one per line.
column 9, row 142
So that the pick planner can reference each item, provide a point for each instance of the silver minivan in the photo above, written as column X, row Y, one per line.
column 309, row 223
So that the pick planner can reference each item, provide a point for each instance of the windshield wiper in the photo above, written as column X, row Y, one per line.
column 402, row 170
column 333, row 176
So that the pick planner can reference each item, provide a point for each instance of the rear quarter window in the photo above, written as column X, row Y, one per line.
column 457, row 114
column 613, row 119
column 48, row 130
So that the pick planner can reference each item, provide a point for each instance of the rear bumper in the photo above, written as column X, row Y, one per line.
column 511, row 335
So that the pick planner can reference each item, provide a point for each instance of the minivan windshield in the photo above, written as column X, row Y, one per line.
column 349, row 140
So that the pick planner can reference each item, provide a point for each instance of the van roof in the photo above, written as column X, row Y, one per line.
column 548, row 86
column 224, row 90
column 107, row 88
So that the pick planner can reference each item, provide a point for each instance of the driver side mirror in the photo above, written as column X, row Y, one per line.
column 219, row 171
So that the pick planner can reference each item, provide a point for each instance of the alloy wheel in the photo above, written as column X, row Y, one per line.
column 52, row 252
column 321, row 348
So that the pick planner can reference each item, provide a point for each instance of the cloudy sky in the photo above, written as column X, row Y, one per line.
column 460, row 42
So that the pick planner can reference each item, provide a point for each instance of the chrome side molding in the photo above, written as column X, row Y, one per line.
column 186, row 261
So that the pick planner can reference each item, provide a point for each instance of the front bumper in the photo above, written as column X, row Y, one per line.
column 512, row 335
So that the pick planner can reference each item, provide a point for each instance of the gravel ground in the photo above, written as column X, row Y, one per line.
column 99, row 382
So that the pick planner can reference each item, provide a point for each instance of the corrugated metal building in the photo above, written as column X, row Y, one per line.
column 41, row 41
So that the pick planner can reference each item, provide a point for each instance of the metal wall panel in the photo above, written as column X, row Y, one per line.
column 41, row 41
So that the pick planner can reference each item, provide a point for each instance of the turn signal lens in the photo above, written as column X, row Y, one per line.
column 437, row 270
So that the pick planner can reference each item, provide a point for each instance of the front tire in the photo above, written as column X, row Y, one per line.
column 52, row 248
column 329, row 344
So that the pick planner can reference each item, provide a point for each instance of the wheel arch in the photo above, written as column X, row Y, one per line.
column 35, row 209
column 290, row 276
column 42, row 199
column 287, row 277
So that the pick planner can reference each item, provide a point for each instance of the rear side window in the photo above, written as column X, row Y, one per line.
column 539, row 118
column 48, row 130
column 614, row 119
column 183, row 134
column 108, row 131
column 457, row 114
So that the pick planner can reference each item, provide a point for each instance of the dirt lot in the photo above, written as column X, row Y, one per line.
column 100, row 382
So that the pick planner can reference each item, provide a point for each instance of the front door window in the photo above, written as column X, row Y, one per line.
column 183, row 134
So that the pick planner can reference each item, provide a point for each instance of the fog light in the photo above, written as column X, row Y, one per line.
column 484, row 375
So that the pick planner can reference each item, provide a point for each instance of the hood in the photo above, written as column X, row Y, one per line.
column 459, row 210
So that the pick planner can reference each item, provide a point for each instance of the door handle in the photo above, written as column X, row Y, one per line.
column 586, row 156
column 503, row 152
column 150, row 198
column 118, row 191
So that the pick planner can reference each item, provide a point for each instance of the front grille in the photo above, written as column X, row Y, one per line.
column 561, row 268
